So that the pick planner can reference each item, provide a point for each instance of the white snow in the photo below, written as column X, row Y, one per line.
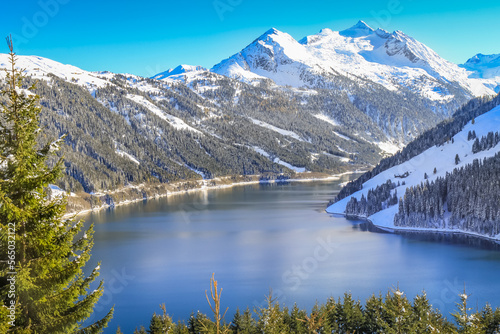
column 326, row 119
column 176, row 122
column 388, row 147
column 39, row 67
column 199, row 172
column 278, row 161
column 341, row 135
column 442, row 158
column 389, row 59
column 276, row 129
column 181, row 69
column 485, row 68
column 128, row 156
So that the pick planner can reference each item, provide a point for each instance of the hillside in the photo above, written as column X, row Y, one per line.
column 192, row 124
column 450, row 186
column 124, row 129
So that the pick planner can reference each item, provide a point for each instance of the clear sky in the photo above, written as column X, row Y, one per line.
column 145, row 37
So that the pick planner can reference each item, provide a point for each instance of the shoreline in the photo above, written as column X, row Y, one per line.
column 202, row 187
column 422, row 230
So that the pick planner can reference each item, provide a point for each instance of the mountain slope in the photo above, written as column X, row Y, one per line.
column 427, row 186
column 126, row 130
column 486, row 68
column 393, row 60
column 403, row 86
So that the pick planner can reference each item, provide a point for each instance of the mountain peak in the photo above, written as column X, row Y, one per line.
column 178, row 70
column 484, row 59
column 358, row 30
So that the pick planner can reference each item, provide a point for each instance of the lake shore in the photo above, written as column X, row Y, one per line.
column 84, row 203
column 399, row 230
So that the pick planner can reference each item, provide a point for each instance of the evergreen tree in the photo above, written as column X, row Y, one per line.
column 350, row 316
column 141, row 330
column 161, row 324
column 374, row 310
column 457, row 159
column 51, row 290
column 468, row 323
column 243, row 323
column 398, row 316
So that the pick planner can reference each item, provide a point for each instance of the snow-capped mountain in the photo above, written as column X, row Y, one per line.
column 393, row 60
column 38, row 68
column 486, row 68
column 431, row 190
column 193, row 123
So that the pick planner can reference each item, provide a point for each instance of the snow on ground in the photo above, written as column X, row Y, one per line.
column 341, row 136
column 388, row 147
column 176, row 122
column 276, row 129
column 389, row 59
column 278, row 160
column 57, row 192
column 39, row 67
column 196, row 171
column 326, row 119
column 442, row 158
column 128, row 156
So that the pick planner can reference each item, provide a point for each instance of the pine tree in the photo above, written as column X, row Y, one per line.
column 51, row 290
column 161, row 324
column 467, row 323
column 398, row 315
column 457, row 159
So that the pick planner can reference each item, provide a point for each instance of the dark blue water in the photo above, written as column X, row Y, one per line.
column 262, row 237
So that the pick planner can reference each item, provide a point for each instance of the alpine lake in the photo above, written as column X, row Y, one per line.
column 263, row 237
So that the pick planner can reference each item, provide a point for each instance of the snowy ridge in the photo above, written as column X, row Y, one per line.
column 176, row 122
column 181, row 69
column 39, row 67
column 486, row 68
column 393, row 60
column 442, row 158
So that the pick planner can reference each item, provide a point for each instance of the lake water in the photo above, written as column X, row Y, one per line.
column 261, row 237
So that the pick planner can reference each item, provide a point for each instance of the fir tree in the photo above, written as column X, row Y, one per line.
column 468, row 323
column 161, row 324
column 457, row 159
column 51, row 290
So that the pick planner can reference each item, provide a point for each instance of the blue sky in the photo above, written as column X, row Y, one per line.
column 146, row 37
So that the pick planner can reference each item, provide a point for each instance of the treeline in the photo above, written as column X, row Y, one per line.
column 438, row 135
column 112, row 140
column 466, row 199
column 392, row 313
column 486, row 142
column 376, row 200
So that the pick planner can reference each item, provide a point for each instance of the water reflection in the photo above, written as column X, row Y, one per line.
column 269, row 236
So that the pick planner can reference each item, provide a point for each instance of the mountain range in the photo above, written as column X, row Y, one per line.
column 331, row 102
